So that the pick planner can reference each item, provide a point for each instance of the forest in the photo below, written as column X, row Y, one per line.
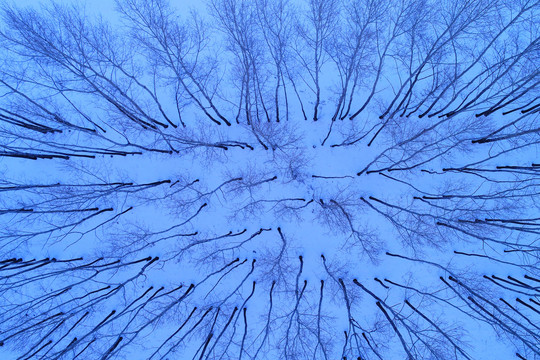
column 270, row 179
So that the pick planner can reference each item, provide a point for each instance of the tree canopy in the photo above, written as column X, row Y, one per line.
column 270, row 179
